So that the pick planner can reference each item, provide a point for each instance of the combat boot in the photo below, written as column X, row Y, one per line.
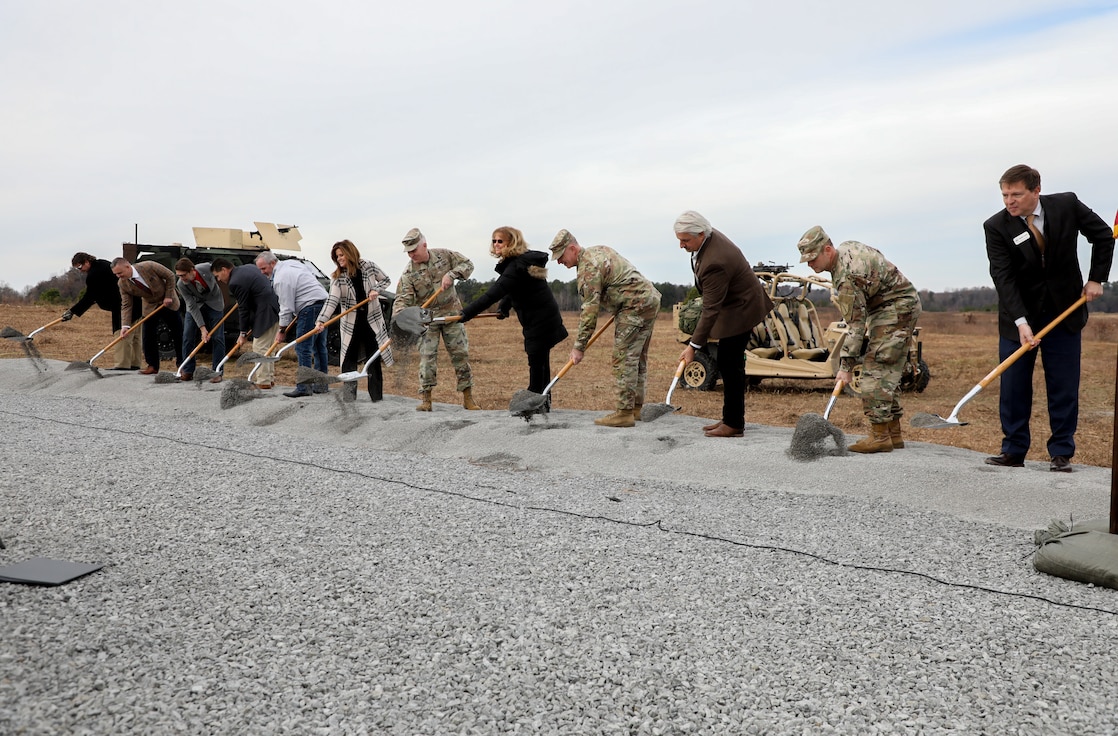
column 637, row 411
column 895, row 434
column 425, row 403
column 622, row 418
column 468, row 400
column 878, row 441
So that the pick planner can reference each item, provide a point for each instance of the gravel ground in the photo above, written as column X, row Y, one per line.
column 304, row 567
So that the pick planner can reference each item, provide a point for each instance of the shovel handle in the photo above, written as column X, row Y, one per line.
column 314, row 330
column 202, row 343
column 139, row 322
column 570, row 363
column 458, row 318
column 48, row 324
column 432, row 298
column 675, row 380
column 1004, row 365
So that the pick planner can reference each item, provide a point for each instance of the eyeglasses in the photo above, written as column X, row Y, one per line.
column 495, row 240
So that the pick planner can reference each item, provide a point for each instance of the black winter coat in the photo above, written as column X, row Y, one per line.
column 522, row 285
column 101, row 289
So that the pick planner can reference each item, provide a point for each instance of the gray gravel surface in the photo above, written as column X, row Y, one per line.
column 306, row 567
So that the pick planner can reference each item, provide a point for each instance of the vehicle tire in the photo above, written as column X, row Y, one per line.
column 700, row 374
column 166, row 341
column 334, row 345
column 917, row 381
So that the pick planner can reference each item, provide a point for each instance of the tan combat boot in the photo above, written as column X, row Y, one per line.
column 425, row 404
column 637, row 411
column 468, row 400
column 895, row 434
column 878, row 441
column 623, row 418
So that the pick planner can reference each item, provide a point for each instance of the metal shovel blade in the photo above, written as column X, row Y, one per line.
column 525, row 403
column 412, row 321
column 924, row 420
column 652, row 412
column 13, row 334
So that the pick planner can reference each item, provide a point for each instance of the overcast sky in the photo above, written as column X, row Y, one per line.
column 883, row 121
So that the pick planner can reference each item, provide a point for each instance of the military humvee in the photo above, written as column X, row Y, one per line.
column 791, row 342
column 238, row 247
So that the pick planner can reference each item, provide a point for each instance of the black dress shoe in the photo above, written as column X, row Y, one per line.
column 297, row 393
column 1060, row 464
column 1005, row 460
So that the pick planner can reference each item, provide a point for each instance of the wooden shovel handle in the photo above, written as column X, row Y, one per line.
column 458, row 318
column 202, row 343
column 570, row 363
column 139, row 322
column 432, row 299
column 1004, row 365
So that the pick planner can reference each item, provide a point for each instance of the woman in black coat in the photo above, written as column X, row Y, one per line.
column 522, row 285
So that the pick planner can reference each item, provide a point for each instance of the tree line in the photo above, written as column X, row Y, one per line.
column 66, row 288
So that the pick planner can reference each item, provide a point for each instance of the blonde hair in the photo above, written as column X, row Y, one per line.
column 352, row 258
column 514, row 243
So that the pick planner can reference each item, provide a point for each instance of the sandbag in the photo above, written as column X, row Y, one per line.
column 689, row 315
column 1086, row 553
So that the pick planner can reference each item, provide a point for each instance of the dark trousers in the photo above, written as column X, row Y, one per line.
column 539, row 370
column 1060, row 355
column 150, row 333
column 361, row 346
column 191, row 334
column 731, row 364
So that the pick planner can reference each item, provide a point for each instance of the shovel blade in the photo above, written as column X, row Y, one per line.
column 525, row 403
column 652, row 412
column 923, row 420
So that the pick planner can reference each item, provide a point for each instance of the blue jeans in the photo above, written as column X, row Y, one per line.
column 311, row 353
column 191, row 335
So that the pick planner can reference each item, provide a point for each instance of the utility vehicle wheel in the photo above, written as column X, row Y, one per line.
column 166, row 341
column 916, row 380
column 701, row 373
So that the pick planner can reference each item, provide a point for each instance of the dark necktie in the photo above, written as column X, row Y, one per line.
column 141, row 285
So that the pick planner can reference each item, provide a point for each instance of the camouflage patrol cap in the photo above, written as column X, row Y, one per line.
column 812, row 243
column 412, row 240
column 562, row 239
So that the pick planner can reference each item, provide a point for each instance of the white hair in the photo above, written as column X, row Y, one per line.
column 692, row 222
column 267, row 257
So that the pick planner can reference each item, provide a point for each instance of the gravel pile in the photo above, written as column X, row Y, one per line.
column 263, row 579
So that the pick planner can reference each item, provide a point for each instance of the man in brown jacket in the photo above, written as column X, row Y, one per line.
column 154, row 285
column 733, row 304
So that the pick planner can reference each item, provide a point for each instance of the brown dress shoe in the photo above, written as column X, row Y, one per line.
column 710, row 427
column 264, row 385
column 1060, row 464
column 186, row 377
column 215, row 379
column 724, row 430
column 149, row 371
column 1005, row 460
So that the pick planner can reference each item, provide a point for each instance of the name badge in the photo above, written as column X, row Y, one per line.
column 1022, row 238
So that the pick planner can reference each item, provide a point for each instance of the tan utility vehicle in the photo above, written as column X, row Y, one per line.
column 791, row 342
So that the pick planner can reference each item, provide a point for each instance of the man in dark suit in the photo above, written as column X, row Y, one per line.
column 734, row 302
column 258, row 307
column 153, row 284
column 1032, row 247
column 101, row 289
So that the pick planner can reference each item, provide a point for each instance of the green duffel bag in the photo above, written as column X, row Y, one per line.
column 689, row 315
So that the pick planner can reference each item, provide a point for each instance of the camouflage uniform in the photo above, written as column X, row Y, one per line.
column 880, row 307
column 419, row 282
column 606, row 280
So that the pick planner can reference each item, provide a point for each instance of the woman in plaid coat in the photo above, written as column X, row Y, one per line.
column 364, row 329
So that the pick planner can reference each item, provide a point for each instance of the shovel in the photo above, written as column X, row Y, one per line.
column 525, row 403
column 164, row 377
column 13, row 334
column 350, row 376
column 269, row 358
column 414, row 320
column 202, row 373
column 78, row 365
column 924, row 420
column 652, row 412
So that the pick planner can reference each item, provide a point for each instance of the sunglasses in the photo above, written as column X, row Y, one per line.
column 495, row 240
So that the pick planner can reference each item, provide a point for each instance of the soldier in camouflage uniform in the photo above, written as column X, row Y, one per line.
column 606, row 280
column 431, row 269
column 880, row 307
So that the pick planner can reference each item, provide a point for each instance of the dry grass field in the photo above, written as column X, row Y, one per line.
column 960, row 350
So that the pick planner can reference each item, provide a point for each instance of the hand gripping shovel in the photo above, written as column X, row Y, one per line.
column 78, row 365
column 13, row 334
column 525, row 403
column 924, row 420
column 652, row 412
column 202, row 373
column 269, row 358
column 165, row 377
